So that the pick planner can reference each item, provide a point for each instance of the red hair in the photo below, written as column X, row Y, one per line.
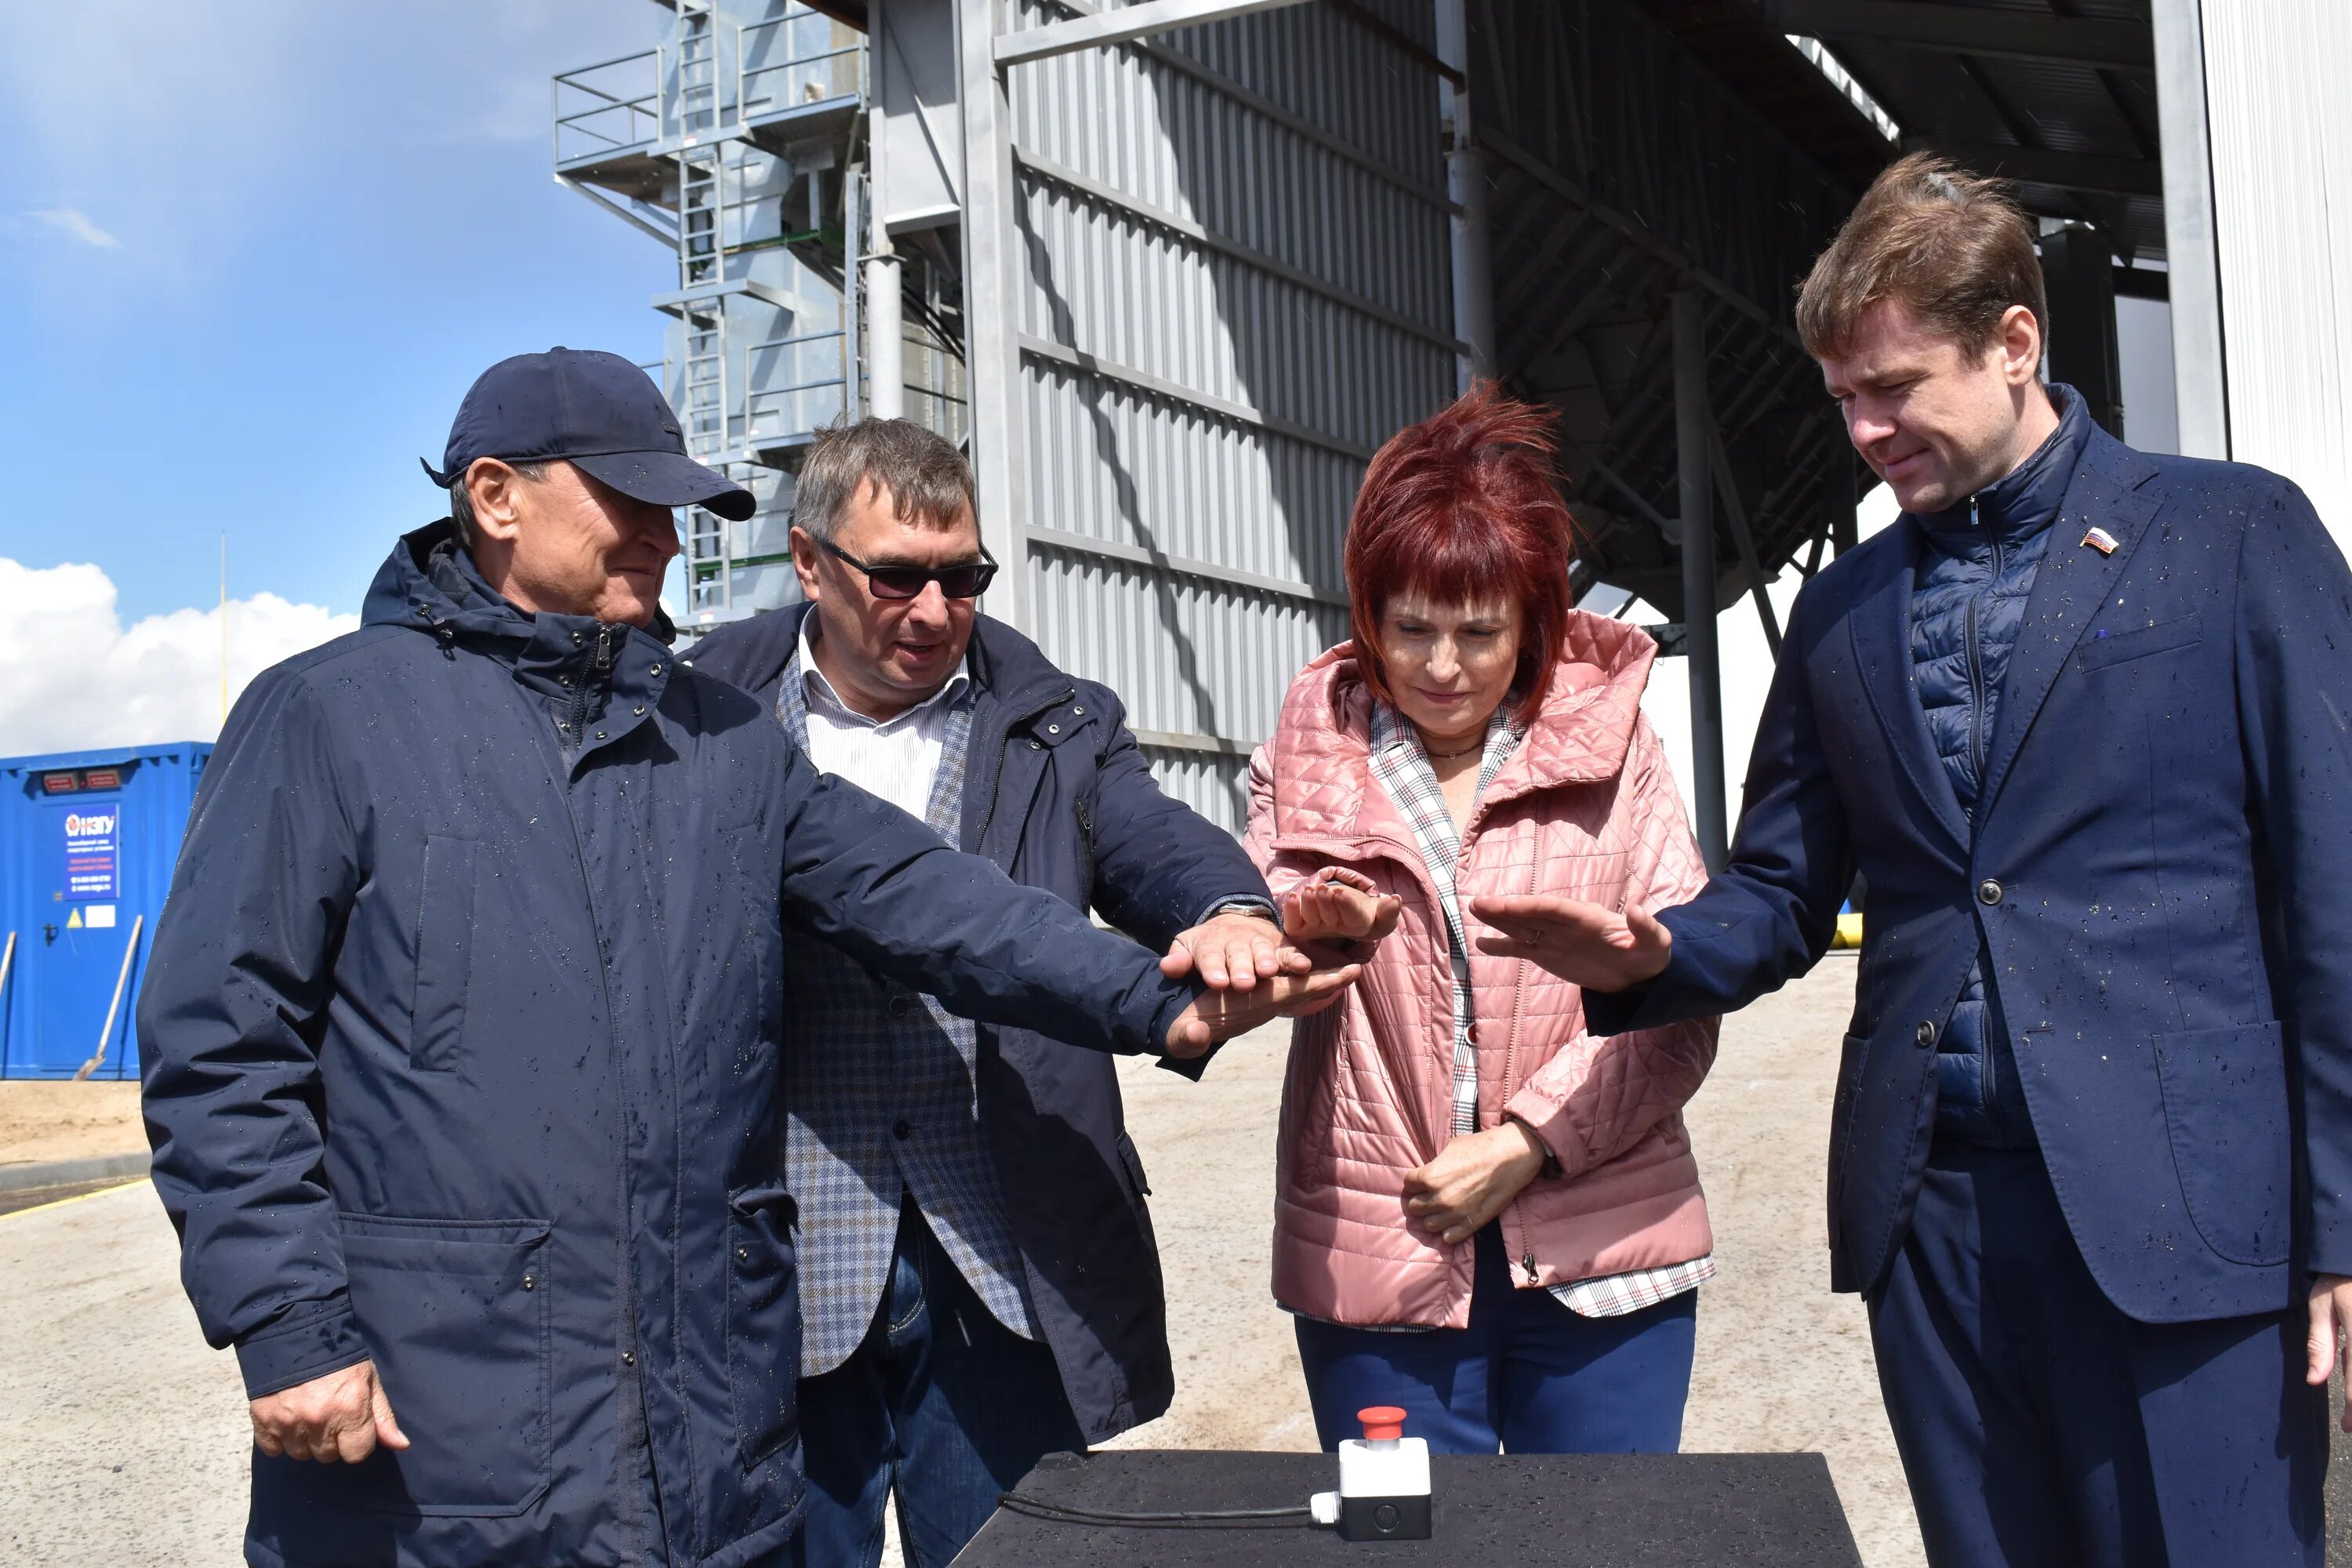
column 1466, row 507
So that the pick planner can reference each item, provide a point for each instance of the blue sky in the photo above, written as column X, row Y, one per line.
column 251, row 256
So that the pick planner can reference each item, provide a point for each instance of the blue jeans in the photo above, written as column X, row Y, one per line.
column 941, row 1402
column 1528, row 1375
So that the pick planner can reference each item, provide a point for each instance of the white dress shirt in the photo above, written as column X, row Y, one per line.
column 896, row 758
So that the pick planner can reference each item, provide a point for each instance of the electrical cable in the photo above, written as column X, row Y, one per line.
column 1205, row 1519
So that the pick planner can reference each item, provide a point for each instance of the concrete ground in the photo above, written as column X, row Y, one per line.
column 127, row 1438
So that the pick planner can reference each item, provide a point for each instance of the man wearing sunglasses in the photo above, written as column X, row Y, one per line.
column 980, row 1286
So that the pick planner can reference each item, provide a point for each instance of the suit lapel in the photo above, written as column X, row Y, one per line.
column 2109, row 488
column 1880, row 626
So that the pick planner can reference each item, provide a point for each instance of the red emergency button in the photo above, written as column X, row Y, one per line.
column 1382, row 1423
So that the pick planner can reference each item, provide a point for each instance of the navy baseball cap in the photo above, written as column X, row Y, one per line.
column 595, row 411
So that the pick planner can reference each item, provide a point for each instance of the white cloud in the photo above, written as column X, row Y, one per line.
column 72, row 221
column 74, row 678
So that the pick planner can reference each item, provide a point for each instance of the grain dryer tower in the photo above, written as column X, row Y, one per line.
column 736, row 143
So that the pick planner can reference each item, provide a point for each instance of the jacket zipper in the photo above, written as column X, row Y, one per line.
column 1086, row 846
column 1511, row 1073
column 1976, row 765
column 628, row 1282
column 603, row 657
column 1976, row 668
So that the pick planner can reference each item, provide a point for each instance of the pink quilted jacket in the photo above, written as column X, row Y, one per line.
column 1587, row 808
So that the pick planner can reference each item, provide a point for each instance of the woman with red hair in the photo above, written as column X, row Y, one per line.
column 1457, row 1155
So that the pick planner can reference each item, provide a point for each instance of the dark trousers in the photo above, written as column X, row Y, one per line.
column 1528, row 1375
column 941, row 1402
column 2039, row 1425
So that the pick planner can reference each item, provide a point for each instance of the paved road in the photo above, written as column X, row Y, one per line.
column 126, row 1439
column 125, row 1434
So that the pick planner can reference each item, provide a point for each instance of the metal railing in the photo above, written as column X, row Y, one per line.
column 805, row 75
column 606, row 113
column 818, row 394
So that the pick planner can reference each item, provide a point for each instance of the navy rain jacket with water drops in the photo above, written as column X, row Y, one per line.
column 460, row 1044
column 1967, row 612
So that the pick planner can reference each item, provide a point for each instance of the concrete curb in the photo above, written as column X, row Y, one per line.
column 67, row 1172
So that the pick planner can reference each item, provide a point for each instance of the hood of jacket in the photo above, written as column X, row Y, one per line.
column 1580, row 735
column 581, row 668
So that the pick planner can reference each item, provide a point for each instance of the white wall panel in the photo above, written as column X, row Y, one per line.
column 2282, row 161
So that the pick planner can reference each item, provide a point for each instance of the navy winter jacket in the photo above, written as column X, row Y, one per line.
column 2160, row 869
column 1057, row 795
column 1965, row 615
column 459, row 1046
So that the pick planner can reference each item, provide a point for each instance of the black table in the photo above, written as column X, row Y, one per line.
column 1588, row 1510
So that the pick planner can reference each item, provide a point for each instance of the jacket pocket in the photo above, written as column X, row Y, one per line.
column 2225, row 1110
column 455, row 1312
column 2100, row 652
column 1853, row 1053
column 445, row 953
column 1134, row 1162
column 764, row 1324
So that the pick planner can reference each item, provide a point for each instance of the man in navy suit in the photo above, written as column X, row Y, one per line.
column 2081, row 720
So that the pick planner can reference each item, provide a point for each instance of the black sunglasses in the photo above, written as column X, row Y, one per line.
column 969, row 580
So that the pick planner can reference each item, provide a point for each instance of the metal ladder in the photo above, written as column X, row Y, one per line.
column 704, row 411
column 698, row 68
column 702, row 208
column 704, row 415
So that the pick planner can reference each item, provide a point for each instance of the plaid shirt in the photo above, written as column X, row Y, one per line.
column 1402, row 765
column 880, row 1101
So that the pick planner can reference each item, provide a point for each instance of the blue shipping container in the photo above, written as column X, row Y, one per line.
column 88, row 840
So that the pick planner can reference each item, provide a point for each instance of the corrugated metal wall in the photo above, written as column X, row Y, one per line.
column 1231, row 283
column 2282, row 162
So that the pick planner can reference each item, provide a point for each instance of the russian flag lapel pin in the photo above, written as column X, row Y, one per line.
column 2100, row 540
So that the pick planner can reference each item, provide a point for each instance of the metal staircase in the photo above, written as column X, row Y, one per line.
column 736, row 142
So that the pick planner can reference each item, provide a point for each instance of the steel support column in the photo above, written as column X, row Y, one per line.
column 2080, row 334
column 991, row 254
column 885, row 368
column 1465, row 185
column 1692, row 425
column 2193, row 266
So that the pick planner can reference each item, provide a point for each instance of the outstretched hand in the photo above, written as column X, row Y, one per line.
column 1589, row 945
column 1343, row 906
column 1233, row 950
column 1218, row 1015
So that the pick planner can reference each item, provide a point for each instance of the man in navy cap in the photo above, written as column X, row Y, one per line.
column 459, row 1034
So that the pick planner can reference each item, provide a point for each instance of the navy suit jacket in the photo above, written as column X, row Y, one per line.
column 2160, row 870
